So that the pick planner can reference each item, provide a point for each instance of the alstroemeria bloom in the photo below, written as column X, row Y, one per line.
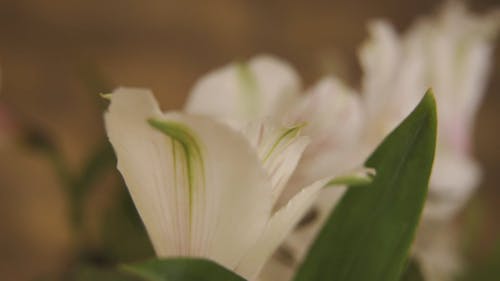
column 452, row 54
column 204, row 189
column 269, row 88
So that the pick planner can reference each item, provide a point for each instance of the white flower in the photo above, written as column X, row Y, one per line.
column 450, row 53
column 204, row 189
column 269, row 88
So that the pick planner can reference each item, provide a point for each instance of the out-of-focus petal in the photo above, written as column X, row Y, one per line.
column 454, row 178
column 278, row 227
column 334, row 119
column 243, row 92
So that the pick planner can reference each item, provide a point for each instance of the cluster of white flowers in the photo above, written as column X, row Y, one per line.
column 224, row 179
column 451, row 53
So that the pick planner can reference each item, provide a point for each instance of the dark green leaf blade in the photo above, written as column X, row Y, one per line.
column 181, row 269
column 87, row 272
column 368, row 235
column 412, row 272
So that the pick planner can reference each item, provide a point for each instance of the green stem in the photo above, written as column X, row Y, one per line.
column 71, row 189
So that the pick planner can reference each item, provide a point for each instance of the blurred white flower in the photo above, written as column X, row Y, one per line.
column 204, row 189
column 450, row 53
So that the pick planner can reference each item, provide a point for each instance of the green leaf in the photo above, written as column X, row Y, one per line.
column 368, row 235
column 412, row 272
column 87, row 272
column 122, row 224
column 99, row 162
column 181, row 269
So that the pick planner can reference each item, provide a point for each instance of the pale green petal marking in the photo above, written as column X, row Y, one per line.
column 360, row 178
column 249, row 89
column 286, row 137
column 191, row 150
column 106, row 96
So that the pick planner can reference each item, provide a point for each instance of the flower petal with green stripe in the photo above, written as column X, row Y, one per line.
column 204, row 189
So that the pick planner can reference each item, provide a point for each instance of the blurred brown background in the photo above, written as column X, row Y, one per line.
column 53, row 55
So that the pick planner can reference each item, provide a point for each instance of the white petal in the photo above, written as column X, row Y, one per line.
column 334, row 121
column 278, row 227
column 279, row 149
column 331, row 110
column 245, row 92
column 298, row 242
column 438, row 251
column 379, row 58
column 276, row 268
column 393, row 78
column 278, row 82
column 215, row 208
column 140, row 150
column 283, row 221
column 454, row 178
column 460, row 51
